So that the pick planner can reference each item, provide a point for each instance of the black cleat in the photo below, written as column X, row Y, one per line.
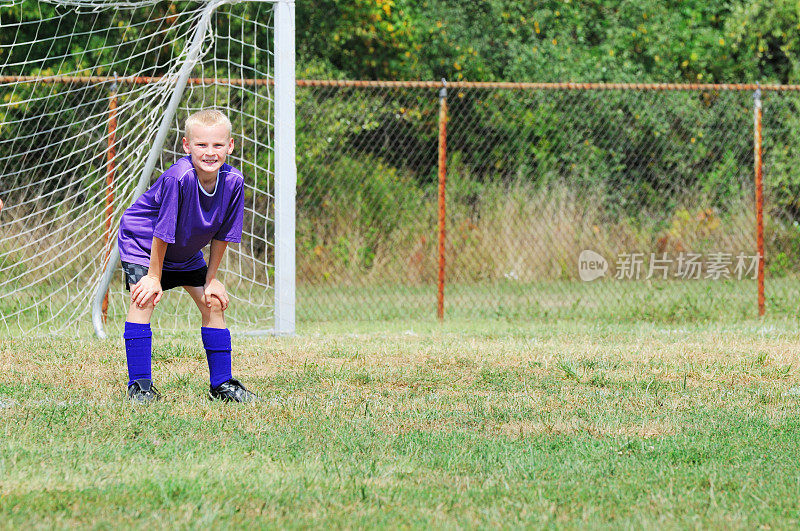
column 143, row 392
column 231, row 391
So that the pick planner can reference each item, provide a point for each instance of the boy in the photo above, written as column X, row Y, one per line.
column 198, row 200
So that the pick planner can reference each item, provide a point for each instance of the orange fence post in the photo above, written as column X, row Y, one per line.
column 442, row 179
column 759, row 199
column 111, row 154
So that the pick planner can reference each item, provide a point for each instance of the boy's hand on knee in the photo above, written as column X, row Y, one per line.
column 147, row 287
column 214, row 288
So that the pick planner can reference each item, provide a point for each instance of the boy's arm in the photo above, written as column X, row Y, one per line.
column 214, row 287
column 159, row 249
column 150, row 285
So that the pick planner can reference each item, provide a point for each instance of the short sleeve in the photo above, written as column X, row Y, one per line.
column 169, row 196
column 231, row 229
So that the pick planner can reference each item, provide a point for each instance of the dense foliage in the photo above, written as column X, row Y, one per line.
column 549, row 40
column 633, row 41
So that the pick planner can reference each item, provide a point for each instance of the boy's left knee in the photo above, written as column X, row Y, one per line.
column 216, row 305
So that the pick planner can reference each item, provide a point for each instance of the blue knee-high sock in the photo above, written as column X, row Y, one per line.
column 138, row 349
column 217, row 342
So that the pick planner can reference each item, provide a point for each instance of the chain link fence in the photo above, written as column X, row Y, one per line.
column 607, row 202
column 615, row 202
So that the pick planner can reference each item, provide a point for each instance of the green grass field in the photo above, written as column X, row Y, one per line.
column 40, row 309
column 482, row 423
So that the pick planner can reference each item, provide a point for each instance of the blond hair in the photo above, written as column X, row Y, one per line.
column 208, row 118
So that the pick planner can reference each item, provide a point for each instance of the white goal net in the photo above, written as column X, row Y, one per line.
column 86, row 89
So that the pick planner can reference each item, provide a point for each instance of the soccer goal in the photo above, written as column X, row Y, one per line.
column 93, row 94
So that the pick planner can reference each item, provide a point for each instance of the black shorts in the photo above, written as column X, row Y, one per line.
column 169, row 279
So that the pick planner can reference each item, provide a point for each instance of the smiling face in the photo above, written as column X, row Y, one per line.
column 208, row 146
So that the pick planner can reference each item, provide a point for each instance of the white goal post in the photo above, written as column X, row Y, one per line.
column 285, row 170
column 93, row 94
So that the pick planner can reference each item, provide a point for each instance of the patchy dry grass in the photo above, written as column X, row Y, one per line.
column 471, row 424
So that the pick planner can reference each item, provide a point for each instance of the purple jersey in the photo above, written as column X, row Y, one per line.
column 179, row 211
